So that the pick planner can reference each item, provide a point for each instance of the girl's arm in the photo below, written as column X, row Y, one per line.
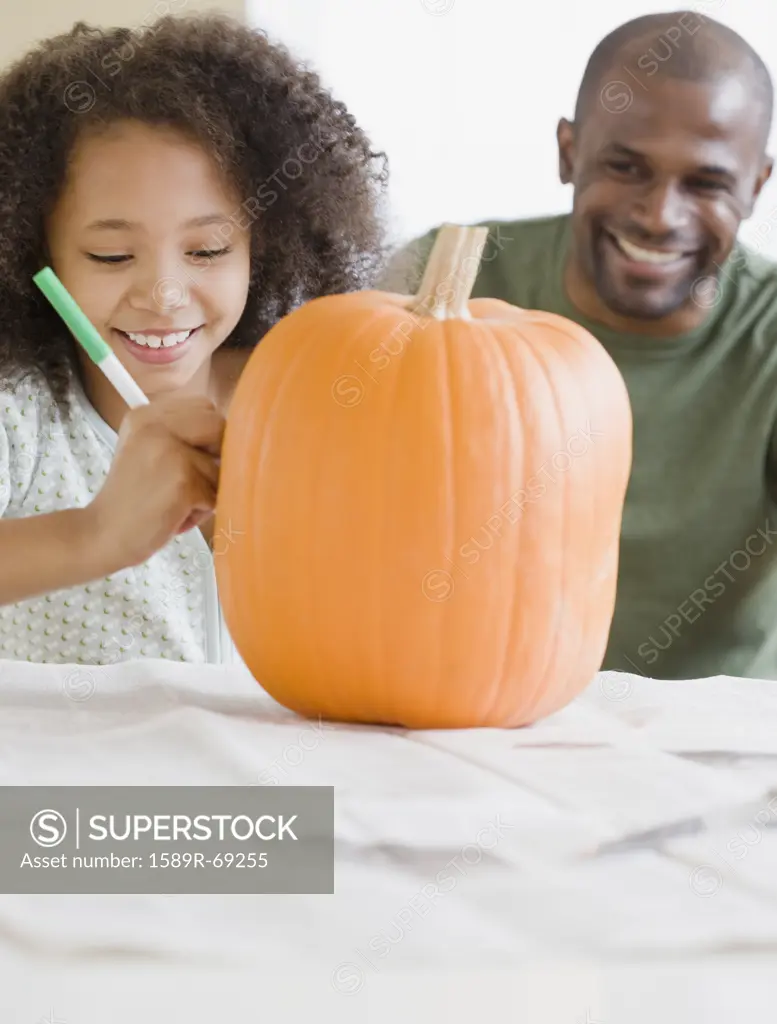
column 40, row 554
column 163, row 480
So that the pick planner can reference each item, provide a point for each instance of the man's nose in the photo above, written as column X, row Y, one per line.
column 661, row 210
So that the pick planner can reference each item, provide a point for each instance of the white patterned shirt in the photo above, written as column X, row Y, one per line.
column 167, row 607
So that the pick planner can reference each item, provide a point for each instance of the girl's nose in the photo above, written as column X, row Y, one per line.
column 170, row 293
column 158, row 288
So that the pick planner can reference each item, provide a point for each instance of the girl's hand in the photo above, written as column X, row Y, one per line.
column 163, row 479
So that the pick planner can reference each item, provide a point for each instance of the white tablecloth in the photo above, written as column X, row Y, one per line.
column 515, row 817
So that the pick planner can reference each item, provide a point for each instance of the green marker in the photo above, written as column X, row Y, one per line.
column 87, row 335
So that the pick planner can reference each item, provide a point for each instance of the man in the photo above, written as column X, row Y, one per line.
column 666, row 156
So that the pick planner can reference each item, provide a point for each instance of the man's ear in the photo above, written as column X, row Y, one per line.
column 763, row 176
column 565, row 135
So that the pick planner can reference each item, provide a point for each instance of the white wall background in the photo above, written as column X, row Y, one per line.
column 23, row 23
column 465, row 95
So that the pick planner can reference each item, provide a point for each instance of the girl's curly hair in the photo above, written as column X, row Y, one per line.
column 310, row 181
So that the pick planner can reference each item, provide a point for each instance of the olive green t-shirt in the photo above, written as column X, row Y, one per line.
column 697, row 582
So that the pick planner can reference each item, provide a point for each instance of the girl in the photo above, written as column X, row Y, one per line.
column 189, row 184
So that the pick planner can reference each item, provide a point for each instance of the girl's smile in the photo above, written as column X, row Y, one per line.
column 159, row 345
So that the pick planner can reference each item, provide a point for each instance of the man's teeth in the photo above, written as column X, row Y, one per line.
column 635, row 252
column 155, row 341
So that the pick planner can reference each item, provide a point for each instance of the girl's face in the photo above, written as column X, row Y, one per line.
column 147, row 238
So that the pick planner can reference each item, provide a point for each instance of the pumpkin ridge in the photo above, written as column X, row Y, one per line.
column 376, row 653
column 440, row 341
column 532, row 367
column 587, row 607
column 613, row 472
column 378, row 671
column 601, row 467
column 583, row 607
column 249, row 415
column 498, row 683
column 259, row 477
column 447, row 328
column 539, row 683
column 369, row 326
column 605, row 469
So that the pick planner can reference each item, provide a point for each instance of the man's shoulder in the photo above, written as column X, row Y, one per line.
column 511, row 243
column 748, row 286
column 520, row 257
column 529, row 231
column 749, row 269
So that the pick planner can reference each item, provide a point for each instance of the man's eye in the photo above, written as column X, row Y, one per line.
column 709, row 185
column 622, row 166
column 108, row 259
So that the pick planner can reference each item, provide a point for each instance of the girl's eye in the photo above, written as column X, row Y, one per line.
column 210, row 254
column 200, row 254
column 107, row 259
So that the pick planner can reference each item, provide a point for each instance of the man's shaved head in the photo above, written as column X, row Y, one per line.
column 666, row 156
column 683, row 45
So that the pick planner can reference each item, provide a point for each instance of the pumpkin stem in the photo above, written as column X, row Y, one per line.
column 450, row 272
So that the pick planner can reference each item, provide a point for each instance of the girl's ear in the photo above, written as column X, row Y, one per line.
column 565, row 136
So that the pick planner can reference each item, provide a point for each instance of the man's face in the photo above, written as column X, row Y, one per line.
column 661, row 189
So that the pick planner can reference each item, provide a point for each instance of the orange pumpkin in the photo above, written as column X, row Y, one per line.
column 426, row 499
